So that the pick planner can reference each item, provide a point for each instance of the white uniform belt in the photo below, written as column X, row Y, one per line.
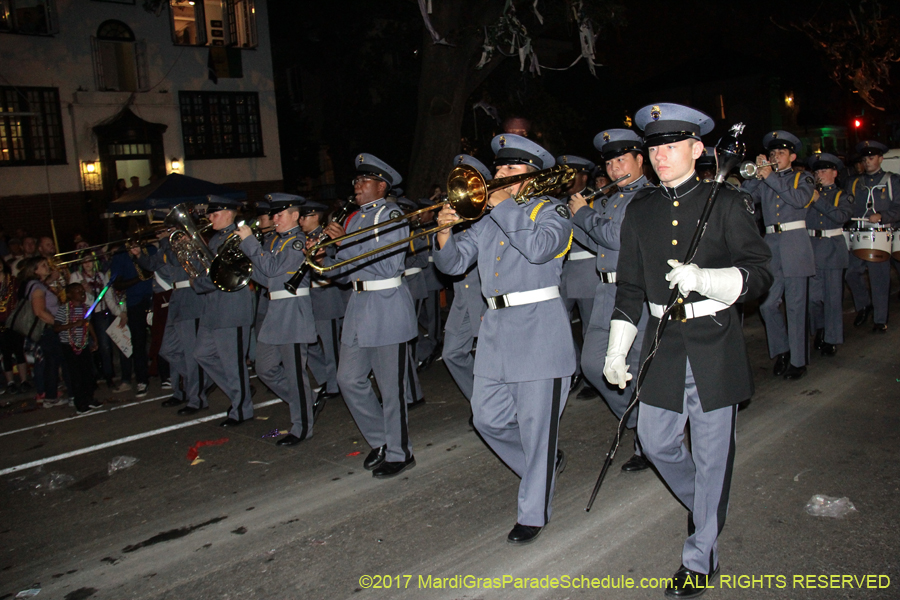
column 608, row 277
column 412, row 271
column 780, row 227
column 182, row 284
column 693, row 310
column 823, row 233
column 584, row 254
column 377, row 284
column 282, row 294
column 521, row 298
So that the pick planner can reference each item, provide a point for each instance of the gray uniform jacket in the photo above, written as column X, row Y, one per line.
column 185, row 304
column 714, row 344
column 382, row 317
column 467, row 300
column 417, row 257
column 599, row 229
column 223, row 309
column 429, row 273
column 579, row 277
column 262, row 299
column 885, row 200
column 784, row 197
column 518, row 248
column 830, row 211
column 287, row 320
column 327, row 302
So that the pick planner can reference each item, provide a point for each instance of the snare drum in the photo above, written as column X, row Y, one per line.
column 872, row 245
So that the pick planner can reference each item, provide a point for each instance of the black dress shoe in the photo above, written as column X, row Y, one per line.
column 375, row 458
column 523, row 534
column 689, row 584
column 229, row 422
column 588, row 392
column 820, row 339
column 576, row 381
column 173, row 401
column 321, row 399
column 392, row 469
column 879, row 328
column 289, row 440
column 561, row 462
column 862, row 316
column 187, row 411
column 782, row 362
column 829, row 349
column 415, row 404
column 794, row 372
column 636, row 463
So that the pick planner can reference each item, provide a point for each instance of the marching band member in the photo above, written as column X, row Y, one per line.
column 379, row 322
column 328, row 308
column 825, row 221
column 223, row 336
column 526, row 356
column 579, row 275
column 416, row 261
column 466, row 310
column 876, row 197
column 180, row 338
column 707, row 351
column 784, row 195
column 288, row 326
column 599, row 228
column 429, row 311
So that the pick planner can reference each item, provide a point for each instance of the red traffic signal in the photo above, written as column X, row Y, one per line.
column 857, row 123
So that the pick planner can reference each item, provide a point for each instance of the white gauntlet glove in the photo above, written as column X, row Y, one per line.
column 724, row 285
column 621, row 336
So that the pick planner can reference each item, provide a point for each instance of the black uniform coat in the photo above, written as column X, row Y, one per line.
column 658, row 226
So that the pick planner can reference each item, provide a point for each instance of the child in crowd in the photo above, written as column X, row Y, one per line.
column 75, row 333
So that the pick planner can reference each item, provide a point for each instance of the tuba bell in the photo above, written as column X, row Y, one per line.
column 186, row 242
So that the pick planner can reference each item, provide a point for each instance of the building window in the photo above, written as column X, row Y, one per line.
column 214, row 23
column 119, row 60
column 31, row 127
column 31, row 17
column 220, row 125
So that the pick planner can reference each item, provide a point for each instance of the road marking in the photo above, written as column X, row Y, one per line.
column 89, row 414
column 125, row 440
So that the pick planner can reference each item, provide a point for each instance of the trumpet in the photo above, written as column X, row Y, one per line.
column 467, row 194
column 749, row 170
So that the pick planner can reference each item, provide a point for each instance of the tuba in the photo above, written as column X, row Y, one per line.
column 189, row 248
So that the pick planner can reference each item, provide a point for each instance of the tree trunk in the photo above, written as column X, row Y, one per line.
column 447, row 80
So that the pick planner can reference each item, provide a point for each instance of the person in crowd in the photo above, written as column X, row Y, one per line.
column 94, row 281
column 11, row 342
column 75, row 335
column 35, row 270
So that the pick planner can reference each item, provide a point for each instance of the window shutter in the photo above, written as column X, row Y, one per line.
column 98, row 64
column 143, row 68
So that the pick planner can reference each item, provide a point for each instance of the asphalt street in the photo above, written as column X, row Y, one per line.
column 252, row 520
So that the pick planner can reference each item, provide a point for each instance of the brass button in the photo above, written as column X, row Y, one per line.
column 496, row 274
column 615, row 206
column 675, row 203
column 498, row 258
column 496, row 291
column 674, row 242
column 501, row 243
column 675, row 223
column 602, row 256
column 621, row 195
column 467, row 286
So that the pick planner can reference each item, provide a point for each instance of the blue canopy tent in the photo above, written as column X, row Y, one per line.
column 167, row 192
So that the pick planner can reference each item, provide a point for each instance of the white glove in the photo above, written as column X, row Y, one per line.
column 724, row 285
column 621, row 336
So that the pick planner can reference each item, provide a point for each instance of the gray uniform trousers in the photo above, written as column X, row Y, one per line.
column 282, row 367
column 324, row 354
column 381, row 424
column 179, row 341
column 222, row 353
column 429, row 317
column 585, row 307
column 520, row 422
column 792, row 337
column 169, row 345
column 457, row 354
column 879, row 279
column 826, row 292
column 699, row 478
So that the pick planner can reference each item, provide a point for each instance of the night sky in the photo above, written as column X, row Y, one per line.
column 357, row 65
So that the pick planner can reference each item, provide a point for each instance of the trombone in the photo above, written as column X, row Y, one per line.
column 89, row 253
column 467, row 194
